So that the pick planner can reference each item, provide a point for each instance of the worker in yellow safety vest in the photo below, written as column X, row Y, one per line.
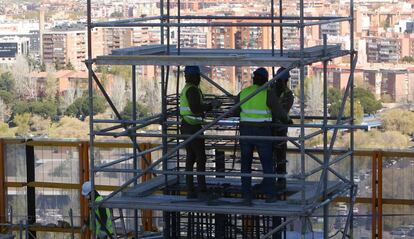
column 103, row 224
column 255, row 120
column 192, row 111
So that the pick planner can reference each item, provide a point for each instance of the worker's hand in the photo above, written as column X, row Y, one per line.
column 216, row 103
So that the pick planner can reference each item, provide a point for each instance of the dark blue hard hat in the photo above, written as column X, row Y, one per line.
column 192, row 70
column 261, row 72
column 285, row 75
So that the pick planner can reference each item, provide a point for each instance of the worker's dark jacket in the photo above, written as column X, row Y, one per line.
column 195, row 102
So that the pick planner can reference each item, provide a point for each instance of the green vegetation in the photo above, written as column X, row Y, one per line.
column 364, row 99
column 46, row 109
column 399, row 120
column 7, row 87
column 80, row 107
column 358, row 110
column 142, row 111
column 367, row 100
column 117, row 14
column 408, row 59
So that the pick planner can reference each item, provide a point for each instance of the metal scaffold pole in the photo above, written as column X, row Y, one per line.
column 325, row 142
column 352, row 108
column 91, row 110
column 134, row 138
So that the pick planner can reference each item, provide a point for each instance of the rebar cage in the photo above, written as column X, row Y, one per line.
column 308, row 189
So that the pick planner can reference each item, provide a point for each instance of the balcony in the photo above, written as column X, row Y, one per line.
column 46, row 177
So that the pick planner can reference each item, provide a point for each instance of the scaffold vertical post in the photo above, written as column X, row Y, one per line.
column 146, row 213
column 376, row 201
column 3, row 202
column 134, row 138
column 91, row 110
column 325, row 141
column 302, row 101
column 379, row 203
column 374, row 197
column 83, row 177
column 31, row 194
column 351, row 78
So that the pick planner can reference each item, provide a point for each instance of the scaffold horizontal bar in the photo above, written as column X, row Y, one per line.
column 193, row 24
column 139, row 154
column 130, row 20
column 323, row 22
column 285, row 17
column 230, row 174
column 185, row 136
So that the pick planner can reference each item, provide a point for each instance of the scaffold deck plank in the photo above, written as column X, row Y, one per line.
column 146, row 188
column 223, row 205
column 293, row 205
column 160, row 55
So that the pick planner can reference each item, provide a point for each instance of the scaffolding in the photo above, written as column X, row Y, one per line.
column 224, row 217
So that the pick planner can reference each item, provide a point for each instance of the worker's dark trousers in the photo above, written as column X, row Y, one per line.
column 195, row 154
column 279, row 154
column 264, row 148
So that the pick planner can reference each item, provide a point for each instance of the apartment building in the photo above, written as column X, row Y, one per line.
column 11, row 46
column 391, row 82
column 383, row 49
column 65, row 46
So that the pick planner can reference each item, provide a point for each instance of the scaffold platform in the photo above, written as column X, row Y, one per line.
column 144, row 196
column 162, row 55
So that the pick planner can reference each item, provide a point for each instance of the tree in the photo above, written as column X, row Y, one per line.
column 118, row 92
column 69, row 66
column 117, row 14
column 376, row 139
column 7, row 97
column 39, row 125
column 358, row 110
column 334, row 95
column 398, row 120
column 408, row 59
column 51, row 85
column 368, row 101
column 80, row 107
column 297, row 89
column 314, row 96
column 142, row 111
column 22, row 123
column 7, row 82
column 46, row 109
column 5, row 131
column 25, row 84
column 2, row 110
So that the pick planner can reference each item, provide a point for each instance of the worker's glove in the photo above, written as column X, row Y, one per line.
column 216, row 103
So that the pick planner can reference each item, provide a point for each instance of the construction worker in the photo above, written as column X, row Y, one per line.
column 192, row 110
column 255, row 120
column 103, row 224
column 286, row 98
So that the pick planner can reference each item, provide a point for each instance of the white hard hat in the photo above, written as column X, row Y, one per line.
column 86, row 188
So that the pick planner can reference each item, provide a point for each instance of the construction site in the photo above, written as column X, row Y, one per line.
column 331, row 191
